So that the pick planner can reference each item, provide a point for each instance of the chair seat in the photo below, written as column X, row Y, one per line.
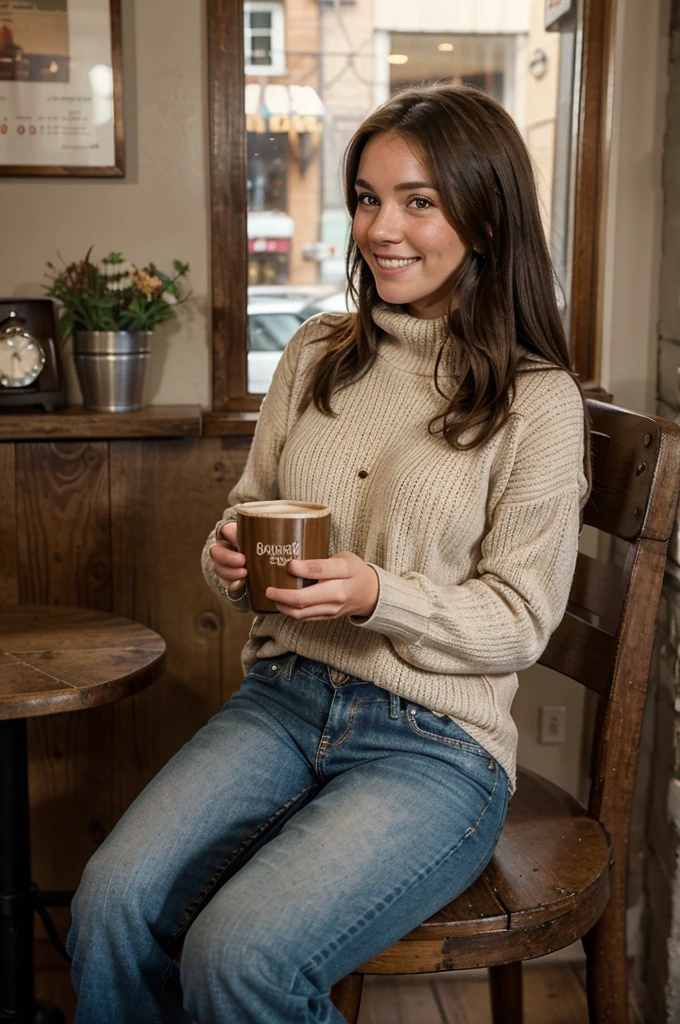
column 546, row 886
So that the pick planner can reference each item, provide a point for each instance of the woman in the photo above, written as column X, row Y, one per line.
column 359, row 779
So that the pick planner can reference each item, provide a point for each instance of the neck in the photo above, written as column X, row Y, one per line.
column 423, row 311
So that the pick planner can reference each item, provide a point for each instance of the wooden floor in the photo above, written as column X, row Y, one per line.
column 552, row 995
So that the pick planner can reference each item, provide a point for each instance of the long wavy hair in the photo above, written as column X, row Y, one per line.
column 503, row 291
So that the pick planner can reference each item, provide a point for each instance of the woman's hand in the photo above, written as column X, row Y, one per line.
column 347, row 586
column 228, row 562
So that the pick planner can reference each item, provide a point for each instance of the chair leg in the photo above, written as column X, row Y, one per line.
column 506, row 993
column 607, row 967
column 346, row 996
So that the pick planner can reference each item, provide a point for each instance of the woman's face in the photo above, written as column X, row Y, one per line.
column 401, row 231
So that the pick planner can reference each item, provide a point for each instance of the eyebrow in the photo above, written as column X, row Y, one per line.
column 406, row 186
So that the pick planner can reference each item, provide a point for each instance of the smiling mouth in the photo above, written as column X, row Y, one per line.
column 390, row 263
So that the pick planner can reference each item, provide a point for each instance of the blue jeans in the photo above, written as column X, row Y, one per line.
column 311, row 823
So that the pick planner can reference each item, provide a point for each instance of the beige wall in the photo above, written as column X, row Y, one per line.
column 157, row 212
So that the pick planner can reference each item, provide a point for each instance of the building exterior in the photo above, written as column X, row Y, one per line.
column 284, row 121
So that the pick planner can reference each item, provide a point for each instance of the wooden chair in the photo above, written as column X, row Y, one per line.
column 559, row 870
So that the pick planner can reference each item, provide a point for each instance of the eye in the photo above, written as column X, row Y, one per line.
column 421, row 200
column 366, row 199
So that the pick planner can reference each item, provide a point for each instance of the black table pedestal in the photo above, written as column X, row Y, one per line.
column 17, row 898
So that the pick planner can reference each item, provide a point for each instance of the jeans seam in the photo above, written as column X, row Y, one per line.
column 321, row 752
column 352, row 716
column 360, row 922
column 190, row 911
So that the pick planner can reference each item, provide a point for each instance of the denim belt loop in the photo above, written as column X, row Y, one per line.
column 290, row 667
column 395, row 706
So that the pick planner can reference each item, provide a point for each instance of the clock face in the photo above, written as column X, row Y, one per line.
column 21, row 358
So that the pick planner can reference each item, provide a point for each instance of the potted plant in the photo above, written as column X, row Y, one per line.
column 111, row 308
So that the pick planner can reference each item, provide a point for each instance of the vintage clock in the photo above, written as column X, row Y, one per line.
column 31, row 375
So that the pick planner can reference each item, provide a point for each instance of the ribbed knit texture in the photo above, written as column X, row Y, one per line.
column 475, row 550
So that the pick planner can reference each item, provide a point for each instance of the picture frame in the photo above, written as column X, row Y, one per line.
column 61, row 93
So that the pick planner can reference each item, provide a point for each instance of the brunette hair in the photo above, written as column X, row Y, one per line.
column 503, row 292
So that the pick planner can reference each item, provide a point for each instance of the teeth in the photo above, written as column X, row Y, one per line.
column 382, row 262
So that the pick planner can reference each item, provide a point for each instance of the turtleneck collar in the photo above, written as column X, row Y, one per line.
column 411, row 344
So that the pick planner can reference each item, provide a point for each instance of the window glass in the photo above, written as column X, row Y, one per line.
column 271, row 332
column 264, row 39
column 340, row 62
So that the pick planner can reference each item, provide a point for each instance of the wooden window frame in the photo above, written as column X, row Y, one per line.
column 590, row 188
column 228, row 198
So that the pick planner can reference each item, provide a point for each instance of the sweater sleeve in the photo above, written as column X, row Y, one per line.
column 259, row 481
column 501, row 620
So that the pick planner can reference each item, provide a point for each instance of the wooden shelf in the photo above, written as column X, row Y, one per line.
column 76, row 423
column 219, row 424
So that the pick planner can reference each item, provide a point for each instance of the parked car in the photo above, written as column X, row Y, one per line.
column 333, row 303
column 272, row 322
column 274, row 315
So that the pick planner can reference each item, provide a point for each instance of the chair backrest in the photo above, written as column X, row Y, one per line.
column 606, row 638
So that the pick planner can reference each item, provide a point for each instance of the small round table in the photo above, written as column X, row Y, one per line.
column 53, row 659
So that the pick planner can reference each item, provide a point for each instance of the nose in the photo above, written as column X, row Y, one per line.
column 386, row 225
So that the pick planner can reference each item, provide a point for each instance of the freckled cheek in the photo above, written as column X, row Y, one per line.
column 450, row 252
column 437, row 243
column 360, row 234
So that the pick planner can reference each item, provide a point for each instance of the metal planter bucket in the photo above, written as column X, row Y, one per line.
column 111, row 367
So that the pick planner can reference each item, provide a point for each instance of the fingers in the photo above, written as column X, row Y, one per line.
column 333, row 568
column 324, row 599
column 227, row 532
column 236, row 589
column 228, row 564
column 320, row 613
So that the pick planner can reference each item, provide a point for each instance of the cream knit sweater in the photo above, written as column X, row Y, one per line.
column 475, row 550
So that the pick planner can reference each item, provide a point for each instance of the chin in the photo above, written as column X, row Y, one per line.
column 396, row 296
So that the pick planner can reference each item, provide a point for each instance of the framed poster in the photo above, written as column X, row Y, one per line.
column 60, row 88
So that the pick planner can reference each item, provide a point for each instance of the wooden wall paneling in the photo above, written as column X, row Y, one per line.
column 9, row 569
column 63, row 519
column 62, row 497
column 165, row 498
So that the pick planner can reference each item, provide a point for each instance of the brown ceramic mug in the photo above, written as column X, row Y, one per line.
column 270, row 534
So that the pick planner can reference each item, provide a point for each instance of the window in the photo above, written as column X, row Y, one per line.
column 279, row 222
column 264, row 38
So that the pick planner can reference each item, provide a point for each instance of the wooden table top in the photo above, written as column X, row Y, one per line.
column 55, row 659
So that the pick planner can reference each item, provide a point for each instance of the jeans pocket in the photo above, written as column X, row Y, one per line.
column 443, row 730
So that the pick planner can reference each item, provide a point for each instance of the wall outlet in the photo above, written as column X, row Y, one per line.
column 552, row 725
